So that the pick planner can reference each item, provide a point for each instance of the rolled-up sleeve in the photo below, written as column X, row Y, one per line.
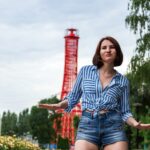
column 125, row 104
column 74, row 95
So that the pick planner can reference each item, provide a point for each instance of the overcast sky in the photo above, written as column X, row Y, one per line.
column 32, row 44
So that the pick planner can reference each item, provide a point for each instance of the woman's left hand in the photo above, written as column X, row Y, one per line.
column 132, row 122
column 142, row 126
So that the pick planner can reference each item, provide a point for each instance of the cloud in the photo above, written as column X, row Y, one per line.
column 32, row 44
column 26, row 83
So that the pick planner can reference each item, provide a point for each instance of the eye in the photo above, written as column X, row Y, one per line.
column 104, row 47
column 112, row 46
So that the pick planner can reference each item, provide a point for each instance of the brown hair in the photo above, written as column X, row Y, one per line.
column 97, row 61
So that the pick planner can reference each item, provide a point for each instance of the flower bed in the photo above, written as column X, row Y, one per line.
column 13, row 143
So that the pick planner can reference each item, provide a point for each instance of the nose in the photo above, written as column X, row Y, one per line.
column 108, row 49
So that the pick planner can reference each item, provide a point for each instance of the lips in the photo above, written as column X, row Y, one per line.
column 108, row 55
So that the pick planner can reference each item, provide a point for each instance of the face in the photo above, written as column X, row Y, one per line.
column 108, row 52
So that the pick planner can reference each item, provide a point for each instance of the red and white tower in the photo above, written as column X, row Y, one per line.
column 70, row 74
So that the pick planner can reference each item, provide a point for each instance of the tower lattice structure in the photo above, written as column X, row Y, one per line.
column 70, row 74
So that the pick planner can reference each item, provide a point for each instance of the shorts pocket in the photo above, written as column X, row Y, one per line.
column 87, row 123
column 115, row 117
column 114, row 121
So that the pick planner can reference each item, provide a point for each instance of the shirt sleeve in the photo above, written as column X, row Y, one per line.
column 74, row 95
column 125, row 104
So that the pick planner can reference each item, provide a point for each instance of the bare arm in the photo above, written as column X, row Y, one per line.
column 132, row 122
column 60, row 105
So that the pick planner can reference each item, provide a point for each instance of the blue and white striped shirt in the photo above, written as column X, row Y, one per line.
column 88, row 88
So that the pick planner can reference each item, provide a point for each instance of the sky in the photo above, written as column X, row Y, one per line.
column 32, row 44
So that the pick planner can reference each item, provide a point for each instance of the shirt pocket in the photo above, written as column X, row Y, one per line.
column 115, row 92
column 89, row 86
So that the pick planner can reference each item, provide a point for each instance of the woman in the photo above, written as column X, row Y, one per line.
column 105, row 101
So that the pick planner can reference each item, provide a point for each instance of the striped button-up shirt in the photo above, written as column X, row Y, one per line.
column 88, row 87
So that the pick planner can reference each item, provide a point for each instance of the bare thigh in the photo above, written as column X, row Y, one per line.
column 85, row 145
column 117, row 146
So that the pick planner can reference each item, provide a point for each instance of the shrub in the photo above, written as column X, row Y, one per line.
column 13, row 143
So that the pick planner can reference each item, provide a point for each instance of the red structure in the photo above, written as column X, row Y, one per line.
column 70, row 74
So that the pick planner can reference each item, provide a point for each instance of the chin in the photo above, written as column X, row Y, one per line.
column 109, row 61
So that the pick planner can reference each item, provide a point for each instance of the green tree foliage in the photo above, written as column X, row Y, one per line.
column 63, row 143
column 54, row 118
column 76, row 120
column 51, row 100
column 138, row 72
column 40, row 125
column 42, row 121
column 139, row 21
column 9, row 122
column 23, row 122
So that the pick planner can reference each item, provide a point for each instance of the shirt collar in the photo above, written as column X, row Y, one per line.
column 95, row 68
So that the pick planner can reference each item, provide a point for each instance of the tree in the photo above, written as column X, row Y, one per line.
column 9, row 122
column 23, row 124
column 54, row 118
column 42, row 121
column 40, row 125
column 138, row 72
column 63, row 143
column 76, row 120
column 139, row 21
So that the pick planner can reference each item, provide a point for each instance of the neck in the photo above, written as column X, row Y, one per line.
column 107, row 68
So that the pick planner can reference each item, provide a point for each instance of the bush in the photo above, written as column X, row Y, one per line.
column 13, row 143
column 63, row 143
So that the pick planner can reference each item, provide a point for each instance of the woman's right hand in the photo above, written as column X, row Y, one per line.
column 61, row 105
column 50, row 106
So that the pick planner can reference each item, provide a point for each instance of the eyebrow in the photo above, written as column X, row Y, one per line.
column 108, row 45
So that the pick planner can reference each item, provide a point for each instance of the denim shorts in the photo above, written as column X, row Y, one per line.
column 101, row 129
